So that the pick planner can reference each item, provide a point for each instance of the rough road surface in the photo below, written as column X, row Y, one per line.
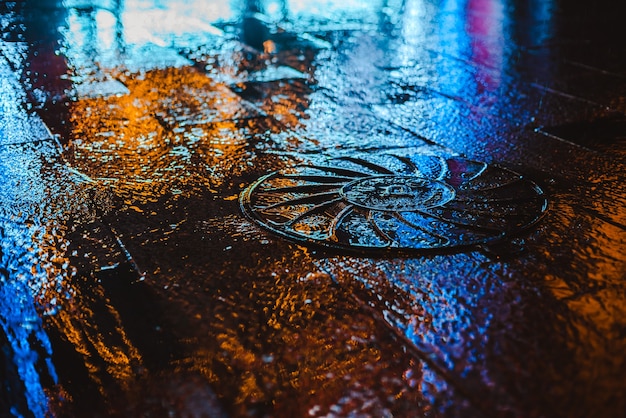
column 408, row 208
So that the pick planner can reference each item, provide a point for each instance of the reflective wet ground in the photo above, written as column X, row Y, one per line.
column 312, row 208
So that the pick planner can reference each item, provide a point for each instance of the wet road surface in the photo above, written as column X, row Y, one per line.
column 387, row 208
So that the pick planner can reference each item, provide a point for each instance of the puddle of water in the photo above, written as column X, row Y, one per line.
column 171, row 114
column 35, row 265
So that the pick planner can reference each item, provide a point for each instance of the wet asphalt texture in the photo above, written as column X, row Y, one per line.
column 408, row 208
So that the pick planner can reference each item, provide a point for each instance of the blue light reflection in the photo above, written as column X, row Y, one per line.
column 27, row 342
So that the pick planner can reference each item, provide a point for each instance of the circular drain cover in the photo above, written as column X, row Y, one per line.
column 391, row 202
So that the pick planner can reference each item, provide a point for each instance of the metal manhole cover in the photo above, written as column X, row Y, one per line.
column 392, row 202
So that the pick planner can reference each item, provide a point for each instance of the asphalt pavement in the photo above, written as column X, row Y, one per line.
column 407, row 208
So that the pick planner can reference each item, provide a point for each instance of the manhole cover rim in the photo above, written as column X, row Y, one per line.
column 331, row 242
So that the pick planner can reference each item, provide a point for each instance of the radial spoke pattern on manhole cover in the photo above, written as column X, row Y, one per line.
column 394, row 202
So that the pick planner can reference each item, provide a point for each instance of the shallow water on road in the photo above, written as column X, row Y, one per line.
column 132, row 135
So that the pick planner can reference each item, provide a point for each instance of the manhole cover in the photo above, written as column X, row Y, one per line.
column 393, row 202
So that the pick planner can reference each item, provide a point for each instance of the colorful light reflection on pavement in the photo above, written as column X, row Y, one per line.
column 132, row 285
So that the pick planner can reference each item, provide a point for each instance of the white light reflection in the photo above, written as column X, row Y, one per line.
column 334, row 9
column 105, row 32
column 106, row 25
column 162, row 22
